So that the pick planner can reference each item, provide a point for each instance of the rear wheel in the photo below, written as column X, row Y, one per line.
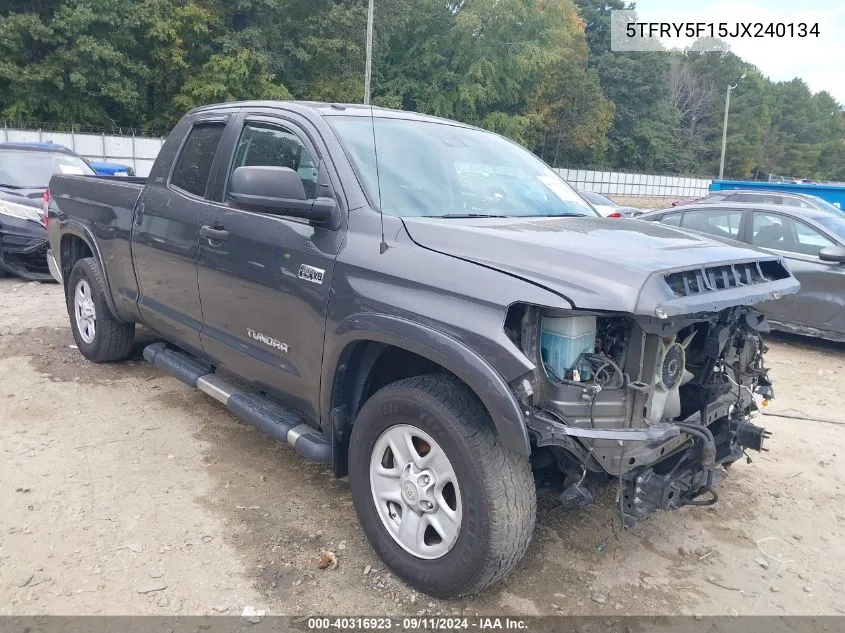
column 98, row 335
column 445, row 505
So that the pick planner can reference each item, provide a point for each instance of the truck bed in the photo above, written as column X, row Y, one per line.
column 88, row 197
column 101, row 208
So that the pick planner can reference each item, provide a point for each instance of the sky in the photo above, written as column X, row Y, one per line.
column 820, row 62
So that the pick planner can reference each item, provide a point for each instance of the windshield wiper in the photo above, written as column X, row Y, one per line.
column 471, row 215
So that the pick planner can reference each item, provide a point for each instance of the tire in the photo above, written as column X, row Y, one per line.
column 104, row 338
column 494, row 498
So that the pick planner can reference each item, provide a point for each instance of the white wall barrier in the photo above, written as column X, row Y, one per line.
column 138, row 152
column 636, row 185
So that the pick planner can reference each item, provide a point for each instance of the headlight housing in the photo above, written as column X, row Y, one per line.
column 20, row 211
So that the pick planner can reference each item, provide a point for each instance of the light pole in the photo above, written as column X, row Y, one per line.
column 368, row 73
column 725, row 125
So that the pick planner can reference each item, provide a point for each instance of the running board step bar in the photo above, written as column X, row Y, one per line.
column 275, row 420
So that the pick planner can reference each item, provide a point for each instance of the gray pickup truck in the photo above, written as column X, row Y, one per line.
column 430, row 309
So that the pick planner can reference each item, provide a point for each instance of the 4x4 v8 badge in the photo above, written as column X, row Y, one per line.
column 309, row 273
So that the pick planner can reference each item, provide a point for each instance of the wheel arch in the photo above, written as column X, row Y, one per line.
column 77, row 243
column 355, row 367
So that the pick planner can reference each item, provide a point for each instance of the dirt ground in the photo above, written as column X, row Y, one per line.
column 641, row 202
column 122, row 491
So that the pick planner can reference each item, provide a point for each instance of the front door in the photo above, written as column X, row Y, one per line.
column 265, row 279
column 165, row 234
column 799, row 244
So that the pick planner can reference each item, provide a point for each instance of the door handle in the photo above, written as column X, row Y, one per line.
column 139, row 214
column 214, row 235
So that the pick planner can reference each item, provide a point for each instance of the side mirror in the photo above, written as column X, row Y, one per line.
column 277, row 190
column 834, row 254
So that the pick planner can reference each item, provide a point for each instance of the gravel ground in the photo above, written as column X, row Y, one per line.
column 126, row 492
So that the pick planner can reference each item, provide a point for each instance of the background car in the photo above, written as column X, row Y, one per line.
column 111, row 169
column 812, row 242
column 25, row 171
column 607, row 207
column 781, row 198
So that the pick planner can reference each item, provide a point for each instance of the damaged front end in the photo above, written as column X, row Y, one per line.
column 653, row 404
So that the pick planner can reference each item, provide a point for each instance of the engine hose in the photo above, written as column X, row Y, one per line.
column 708, row 450
column 698, row 430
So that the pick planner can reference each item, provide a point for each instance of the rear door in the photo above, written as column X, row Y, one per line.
column 720, row 221
column 799, row 243
column 165, row 231
column 265, row 283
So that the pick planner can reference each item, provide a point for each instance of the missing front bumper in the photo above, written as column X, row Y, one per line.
column 661, row 468
column 23, row 251
column 645, row 491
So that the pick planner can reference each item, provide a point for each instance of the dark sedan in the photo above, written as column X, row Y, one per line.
column 25, row 171
column 811, row 241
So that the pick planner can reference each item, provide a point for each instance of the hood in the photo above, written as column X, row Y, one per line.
column 28, row 197
column 599, row 263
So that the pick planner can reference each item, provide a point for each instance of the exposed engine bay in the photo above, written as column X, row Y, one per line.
column 656, row 405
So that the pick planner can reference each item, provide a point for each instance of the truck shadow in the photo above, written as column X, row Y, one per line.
column 807, row 342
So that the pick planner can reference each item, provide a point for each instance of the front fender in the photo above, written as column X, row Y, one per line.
column 439, row 348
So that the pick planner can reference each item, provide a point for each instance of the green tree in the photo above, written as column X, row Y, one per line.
column 538, row 71
column 644, row 131
column 516, row 67
column 74, row 68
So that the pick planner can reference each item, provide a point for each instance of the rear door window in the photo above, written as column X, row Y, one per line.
column 719, row 222
column 193, row 166
column 672, row 220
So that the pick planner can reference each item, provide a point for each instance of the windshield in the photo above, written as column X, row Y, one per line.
column 821, row 203
column 26, row 169
column 596, row 198
column 834, row 224
column 439, row 170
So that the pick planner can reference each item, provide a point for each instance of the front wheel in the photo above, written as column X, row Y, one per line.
column 445, row 505
column 98, row 335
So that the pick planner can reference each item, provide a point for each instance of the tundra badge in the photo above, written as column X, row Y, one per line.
column 263, row 338
column 309, row 273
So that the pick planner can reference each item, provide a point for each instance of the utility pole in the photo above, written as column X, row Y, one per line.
column 368, row 73
column 725, row 125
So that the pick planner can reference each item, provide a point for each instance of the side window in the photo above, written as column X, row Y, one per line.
column 721, row 222
column 808, row 240
column 276, row 147
column 194, row 163
column 798, row 202
column 672, row 220
column 786, row 234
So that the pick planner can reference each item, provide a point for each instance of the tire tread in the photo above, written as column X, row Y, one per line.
column 507, row 474
column 113, row 339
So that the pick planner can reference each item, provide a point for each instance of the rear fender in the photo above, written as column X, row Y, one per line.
column 77, row 229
